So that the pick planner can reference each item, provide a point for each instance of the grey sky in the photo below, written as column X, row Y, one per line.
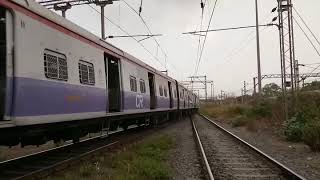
column 229, row 58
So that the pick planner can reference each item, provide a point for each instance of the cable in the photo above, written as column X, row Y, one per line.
column 245, row 43
column 156, row 41
column 144, row 22
column 203, row 45
column 306, row 25
column 201, row 21
column 314, row 47
column 123, row 30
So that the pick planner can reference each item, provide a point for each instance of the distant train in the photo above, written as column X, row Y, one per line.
column 60, row 82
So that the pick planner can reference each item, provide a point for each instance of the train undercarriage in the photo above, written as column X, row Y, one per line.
column 74, row 130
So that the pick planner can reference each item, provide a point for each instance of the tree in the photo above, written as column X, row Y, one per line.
column 314, row 85
column 271, row 89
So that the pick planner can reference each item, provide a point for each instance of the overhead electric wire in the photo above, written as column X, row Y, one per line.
column 314, row 47
column 230, row 28
column 201, row 21
column 244, row 42
column 146, row 25
column 314, row 36
column 123, row 30
column 156, row 41
column 203, row 45
column 239, row 49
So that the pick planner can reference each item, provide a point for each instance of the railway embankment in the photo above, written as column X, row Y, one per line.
column 170, row 153
column 262, row 126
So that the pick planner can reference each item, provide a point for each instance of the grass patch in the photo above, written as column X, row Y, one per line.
column 255, row 115
column 145, row 161
column 223, row 111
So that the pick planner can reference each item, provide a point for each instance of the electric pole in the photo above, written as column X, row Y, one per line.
column 254, row 86
column 102, row 5
column 258, row 48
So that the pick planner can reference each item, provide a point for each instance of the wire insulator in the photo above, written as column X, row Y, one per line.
column 140, row 10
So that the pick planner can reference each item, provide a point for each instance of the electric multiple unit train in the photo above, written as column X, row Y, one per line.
column 60, row 82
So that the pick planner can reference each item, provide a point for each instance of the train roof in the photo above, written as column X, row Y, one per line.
column 55, row 18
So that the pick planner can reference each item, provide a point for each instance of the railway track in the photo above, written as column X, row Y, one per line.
column 42, row 164
column 226, row 156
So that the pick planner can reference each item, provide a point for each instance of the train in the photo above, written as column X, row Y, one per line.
column 61, row 82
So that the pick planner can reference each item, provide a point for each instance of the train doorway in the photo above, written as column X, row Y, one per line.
column 3, row 59
column 6, row 47
column 113, row 82
column 178, row 94
column 152, row 91
column 170, row 94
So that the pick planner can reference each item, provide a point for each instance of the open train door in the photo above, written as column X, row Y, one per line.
column 178, row 94
column 153, row 102
column 112, row 66
column 6, row 64
column 170, row 94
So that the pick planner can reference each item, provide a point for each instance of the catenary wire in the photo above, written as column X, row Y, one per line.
column 123, row 30
column 203, row 45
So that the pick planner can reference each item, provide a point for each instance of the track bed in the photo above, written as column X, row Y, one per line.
column 231, row 158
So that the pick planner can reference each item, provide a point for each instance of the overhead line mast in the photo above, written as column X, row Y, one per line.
column 258, row 48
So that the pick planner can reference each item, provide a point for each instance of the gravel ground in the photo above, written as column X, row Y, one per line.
column 296, row 156
column 184, row 158
column 230, row 160
column 7, row 153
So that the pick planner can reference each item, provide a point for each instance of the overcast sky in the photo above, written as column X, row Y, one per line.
column 229, row 57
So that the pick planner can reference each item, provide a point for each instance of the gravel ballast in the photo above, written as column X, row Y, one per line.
column 296, row 156
column 231, row 160
column 184, row 157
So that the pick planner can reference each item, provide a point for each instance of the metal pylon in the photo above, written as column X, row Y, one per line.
column 287, row 51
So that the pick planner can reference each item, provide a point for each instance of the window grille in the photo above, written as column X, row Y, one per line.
column 165, row 92
column 86, row 73
column 133, row 84
column 55, row 65
column 160, row 90
column 142, row 86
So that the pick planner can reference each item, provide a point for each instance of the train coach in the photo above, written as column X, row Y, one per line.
column 60, row 82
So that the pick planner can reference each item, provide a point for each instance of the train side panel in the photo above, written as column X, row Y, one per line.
column 43, row 92
column 136, row 90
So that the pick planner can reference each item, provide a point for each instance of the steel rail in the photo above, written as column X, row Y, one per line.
column 66, row 161
column 289, row 173
column 203, row 154
column 91, row 146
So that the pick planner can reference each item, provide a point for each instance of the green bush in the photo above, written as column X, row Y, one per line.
column 311, row 135
column 239, row 121
column 261, row 109
column 237, row 110
column 293, row 129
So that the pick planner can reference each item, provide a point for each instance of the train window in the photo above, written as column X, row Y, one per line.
column 133, row 84
column 55, row 65
column 86, row 73
column 142, row 86
column 160, row 90
column 165, row 92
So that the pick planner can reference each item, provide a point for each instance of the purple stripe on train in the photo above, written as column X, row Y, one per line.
column 39, row 97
